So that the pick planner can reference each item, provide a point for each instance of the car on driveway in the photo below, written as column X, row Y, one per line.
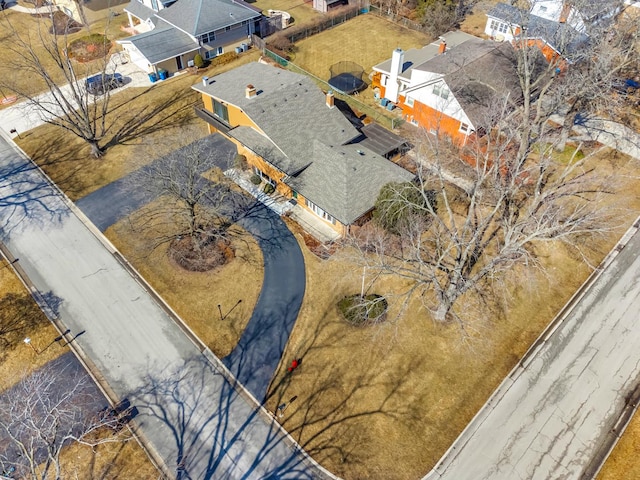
column 103, row 82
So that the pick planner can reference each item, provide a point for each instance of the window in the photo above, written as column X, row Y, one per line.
column 220, row 110
column 441, row 90
column 465, row 128
column 321, row 213
column 219, row 51
column 384, row 80
column 208, row 37
column 497, row 26
column 408, row 101
column 227, row 28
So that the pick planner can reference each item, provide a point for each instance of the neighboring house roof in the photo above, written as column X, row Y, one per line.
column 562, row 37
column 345, row 180
column 415, row 57
column 197, row 17
column 478, row 73
column 139, row 10
column 162, row 43
column 305, row 139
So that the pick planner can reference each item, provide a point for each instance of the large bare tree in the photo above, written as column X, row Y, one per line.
column 517, row 192
column 42, row 56
column 47, row 411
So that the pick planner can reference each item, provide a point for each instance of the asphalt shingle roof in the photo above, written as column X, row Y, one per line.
column 162, row 43
column 197, row 17
column 137, row 9
column 315, row 140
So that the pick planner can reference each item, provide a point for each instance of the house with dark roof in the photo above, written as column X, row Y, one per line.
column 453, row 87
column 295, row 138
column 558, row 27
column 170, row 33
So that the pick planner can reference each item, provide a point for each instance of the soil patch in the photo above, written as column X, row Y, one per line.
column 203, row 257
column 89, row 48
column 63, row 24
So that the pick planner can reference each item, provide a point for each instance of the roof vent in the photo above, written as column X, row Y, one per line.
column 360, row 152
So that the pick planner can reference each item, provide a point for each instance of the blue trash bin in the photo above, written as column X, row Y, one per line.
column 153, row 77
column 163, row 74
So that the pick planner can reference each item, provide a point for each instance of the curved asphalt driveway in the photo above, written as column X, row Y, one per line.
column 255, row 359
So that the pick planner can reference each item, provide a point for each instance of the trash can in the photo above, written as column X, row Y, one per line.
column 163, row 74
column 153, row 77
column 238, row 49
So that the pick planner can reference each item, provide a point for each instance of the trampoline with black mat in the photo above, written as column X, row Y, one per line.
column 347, row 77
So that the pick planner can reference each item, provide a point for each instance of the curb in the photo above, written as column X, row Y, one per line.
column 102, row 384
column 459, row 443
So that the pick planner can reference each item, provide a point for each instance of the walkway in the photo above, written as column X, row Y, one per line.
column 257, row 355
column 556, row 413
column 191, row 417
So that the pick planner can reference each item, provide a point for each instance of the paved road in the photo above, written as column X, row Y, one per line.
column 189, row 413
column 260, row 348
column 552, row 415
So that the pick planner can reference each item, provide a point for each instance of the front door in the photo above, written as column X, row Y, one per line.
column 179, row 62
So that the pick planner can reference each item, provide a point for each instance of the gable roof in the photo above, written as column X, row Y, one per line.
column 479, row 73
column 560, row 36
column 305, row 139
column 139, row 10
column 162, row 43
column 345, row 180
column 197, row 17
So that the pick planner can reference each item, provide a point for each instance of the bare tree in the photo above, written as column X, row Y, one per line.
column 198, row 200
column 45, row 55
column 47, row 411
column 517, row 191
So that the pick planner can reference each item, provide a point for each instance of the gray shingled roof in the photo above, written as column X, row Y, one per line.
column 197, row 17
column 344, row 182
column 321, row 163
column 162, row 43
column 138, row 10
column 260, row 144
column 289, row 108
column 414, row 56
column 563, row 38
column 478, row 74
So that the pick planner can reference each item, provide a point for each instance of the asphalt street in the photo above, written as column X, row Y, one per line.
column 189, row 414
column 551, row 415
column 256, row 357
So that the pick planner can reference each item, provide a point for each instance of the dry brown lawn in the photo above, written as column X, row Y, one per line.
column 195, row 296
column 301, row 12
column 366, row 40
column 623, row 462
column 387, row 402
column 475, row 21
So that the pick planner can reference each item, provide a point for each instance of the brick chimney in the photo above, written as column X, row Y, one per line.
column 330, row 99
column 442, row 48
column 250, row 91
column 564, row 14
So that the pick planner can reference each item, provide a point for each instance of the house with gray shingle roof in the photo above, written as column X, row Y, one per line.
column 296, row 139
column 452, row 87
column 558, row 27
column 170, row 33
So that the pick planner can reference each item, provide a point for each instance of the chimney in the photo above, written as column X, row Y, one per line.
column 205, row 81
column 397, row 62
column 330, row 99
column 250, row 91
column 442, row 48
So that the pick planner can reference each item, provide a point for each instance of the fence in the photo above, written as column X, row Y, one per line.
column 371, row 112
column 400, row 20
column 340, row 16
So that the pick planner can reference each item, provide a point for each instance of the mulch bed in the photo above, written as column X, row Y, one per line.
column 211, row 255
column 63, row 24
column 89, row 48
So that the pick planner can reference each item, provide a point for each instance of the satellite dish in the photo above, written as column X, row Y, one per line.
column 499, row 38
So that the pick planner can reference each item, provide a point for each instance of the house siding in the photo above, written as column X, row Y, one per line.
column 338, row 227
column 432, row 120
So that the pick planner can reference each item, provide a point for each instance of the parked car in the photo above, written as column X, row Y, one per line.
column 102, row 83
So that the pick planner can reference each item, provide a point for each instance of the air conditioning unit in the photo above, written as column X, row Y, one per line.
column 190, row 63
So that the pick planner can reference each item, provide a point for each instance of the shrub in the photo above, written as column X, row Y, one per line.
column 240, row 162
column 256, row 180
column 198, row 61
column 359, row 310
column 224, row 58
column 280, row 41
column 269, row 189
column 398, row 203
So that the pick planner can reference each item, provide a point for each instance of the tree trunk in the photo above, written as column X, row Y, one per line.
column 96, row 151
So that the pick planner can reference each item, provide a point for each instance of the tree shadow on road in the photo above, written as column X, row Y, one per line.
column 205, row 429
